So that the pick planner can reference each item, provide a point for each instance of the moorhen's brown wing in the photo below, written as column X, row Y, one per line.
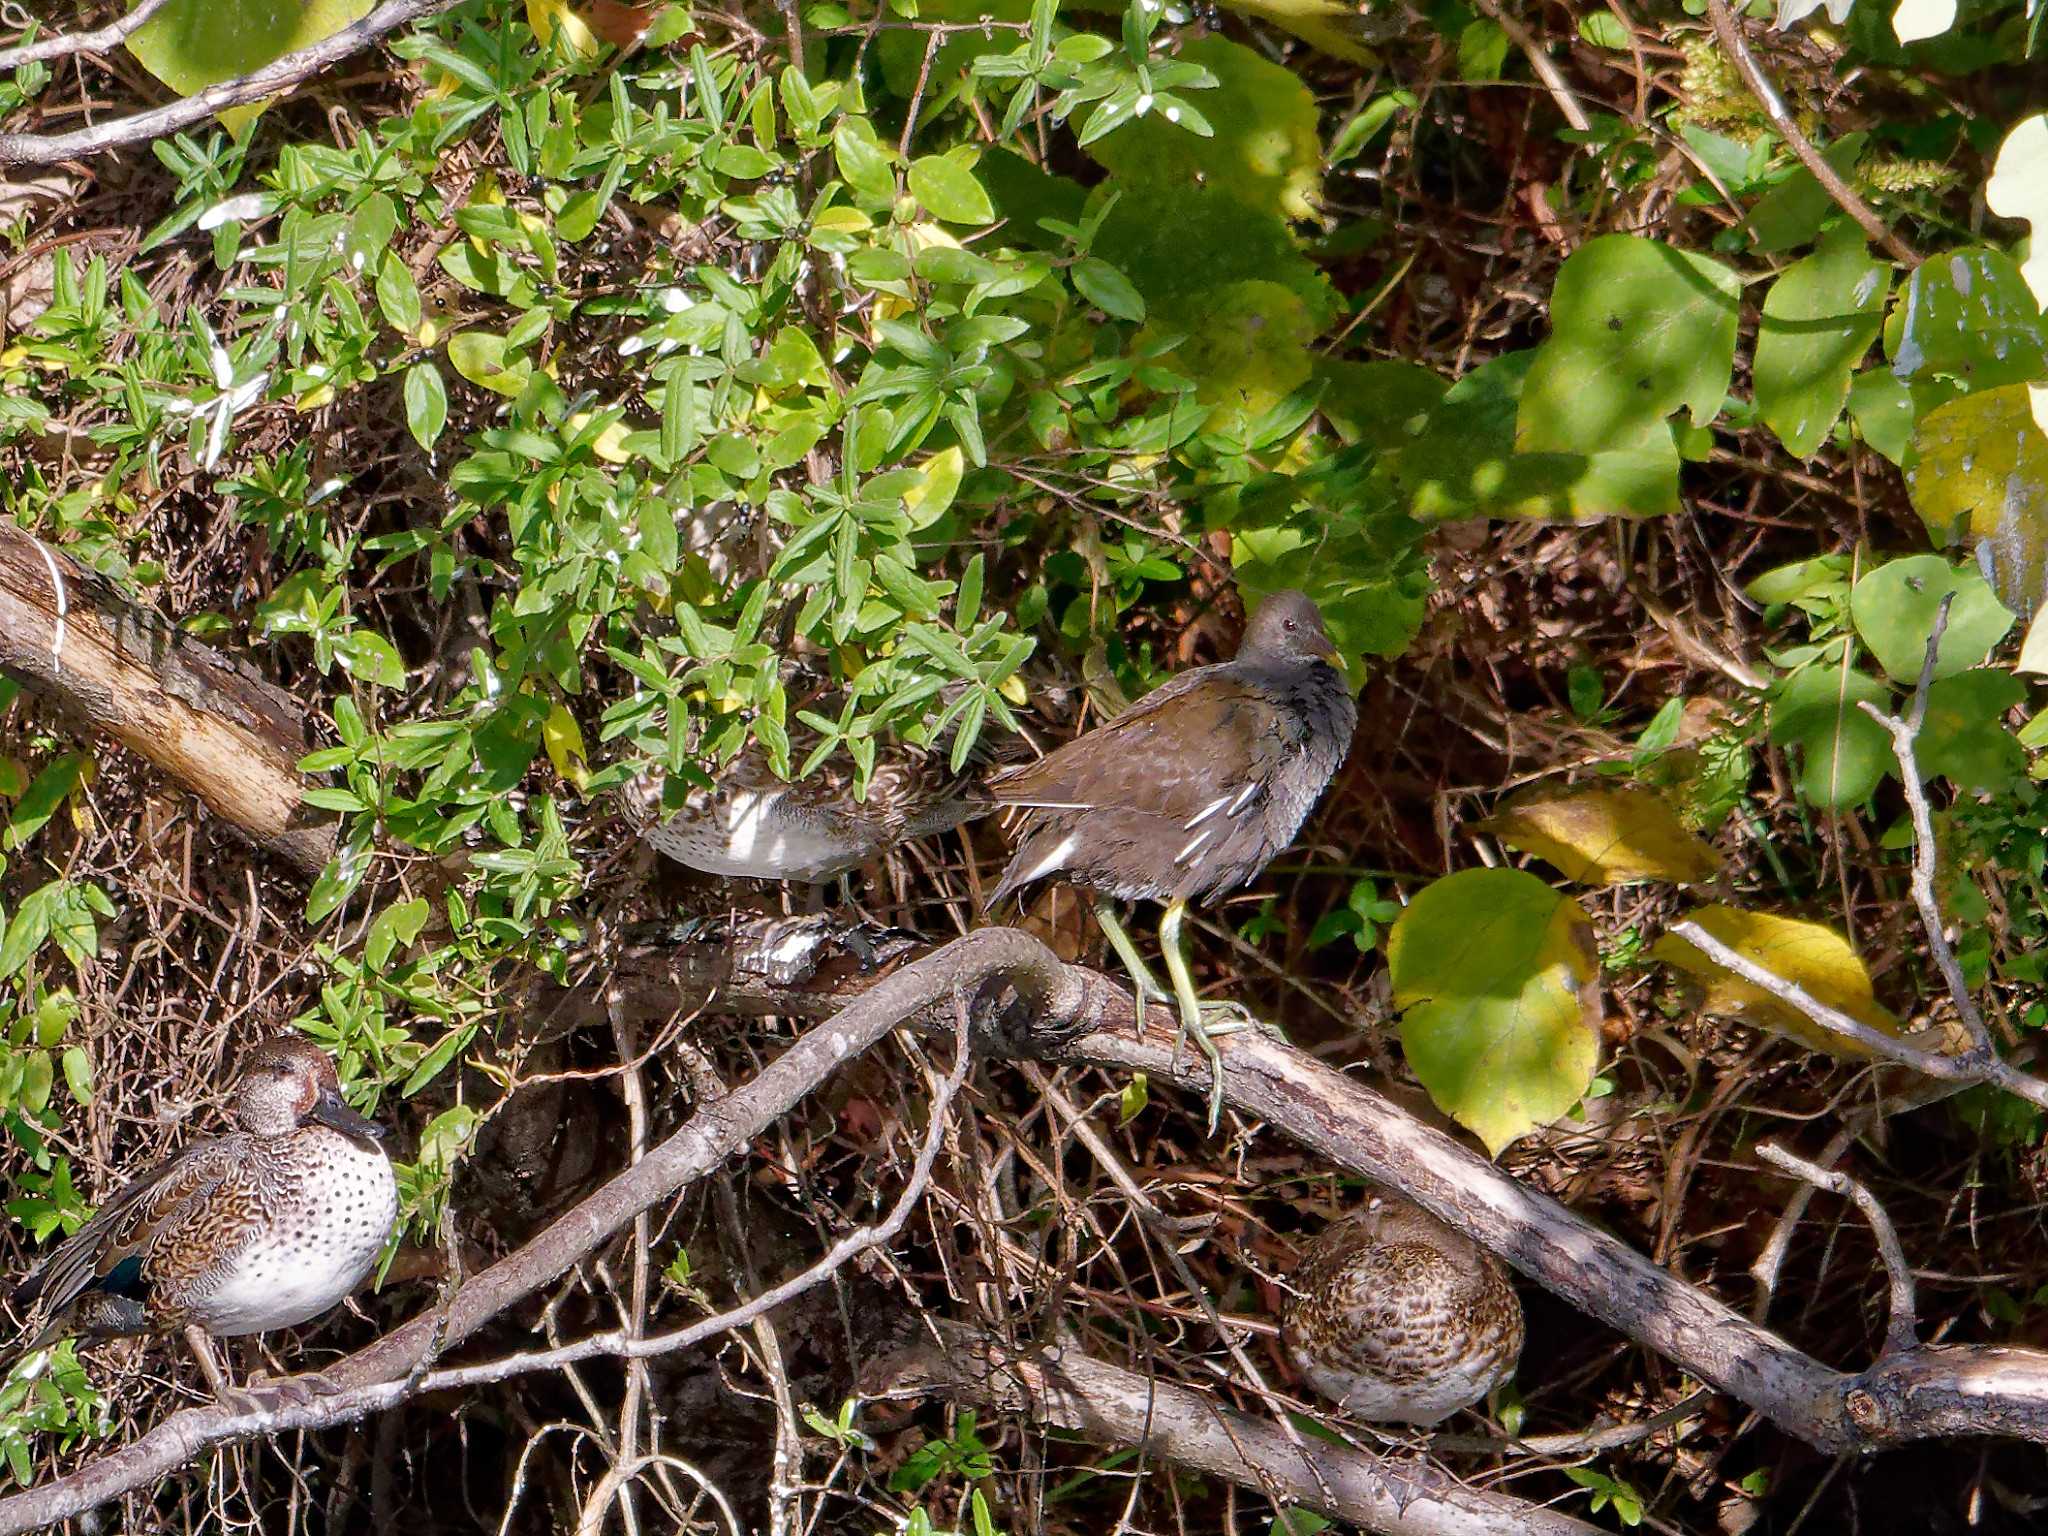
column 1163, row 802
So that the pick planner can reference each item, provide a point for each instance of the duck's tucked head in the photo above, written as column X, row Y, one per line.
column 287, row 1082
column 1288, row 627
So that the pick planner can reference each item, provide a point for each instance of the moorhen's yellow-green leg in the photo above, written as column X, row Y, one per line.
column 1133, row 962
column 1191, row 1025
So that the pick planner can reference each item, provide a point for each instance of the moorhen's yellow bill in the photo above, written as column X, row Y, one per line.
column 1399, row 1318
column 1190, row 792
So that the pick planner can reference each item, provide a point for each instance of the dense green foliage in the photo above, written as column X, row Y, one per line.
column 575, row 386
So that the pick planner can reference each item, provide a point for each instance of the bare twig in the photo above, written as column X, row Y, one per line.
column 1964, row 1067
column 374, row 1378
column 1845, row 196
column 1068, row 1387
column 1902, row 1330
column 271, row 80
column 1904, row 734
column 1540, row 61
column 109, row 37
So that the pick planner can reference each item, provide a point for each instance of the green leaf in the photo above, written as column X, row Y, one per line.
column 371, row 657
column 1482, row 50
column 1883, row 411
column 398, row 296
column 1979, row 475
column 1494, row 973
column 1894, row 609
column 1265, row 153
column 1603, row 29
column 1968, row 317
column 1791, row 213
column 78, row 1074
column 192, row 44
column 1964, row 736
column 1843, row 752
column 1818, row 321
column 863, row 162
column 1107, row 289
column 426, row 404
column 1639, row 330
column 945, row 186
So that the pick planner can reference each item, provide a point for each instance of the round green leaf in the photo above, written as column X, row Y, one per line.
column 1967, row 316
column 1894, row 609
column 1266, row 151
column 1495, row 975
column 1842, row 751
column 191, row 44
column 1964, row 737
column 1638, row 329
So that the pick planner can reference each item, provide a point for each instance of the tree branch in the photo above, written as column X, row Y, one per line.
column 211, row 724
column 1766, row 94
column 1902, row 1328
column 1067, row 1387
column 110, row 36
column 271, row 80
column 1002, row 968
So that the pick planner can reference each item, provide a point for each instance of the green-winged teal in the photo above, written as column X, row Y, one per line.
column 1192, row 790
column 1399, row 1318
column 264, row 1228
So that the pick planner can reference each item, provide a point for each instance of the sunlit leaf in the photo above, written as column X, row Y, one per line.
column 1812, row 956
column 1496, row 980
column 1605, row 834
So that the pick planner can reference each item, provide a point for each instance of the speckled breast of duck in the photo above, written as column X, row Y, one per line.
column 321, row 1210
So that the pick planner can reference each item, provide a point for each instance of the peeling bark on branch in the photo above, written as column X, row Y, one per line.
column 213, row 725
column 1071, row 1389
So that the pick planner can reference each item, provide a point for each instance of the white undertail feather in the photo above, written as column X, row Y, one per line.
column 750, row 810
column 1052, row 861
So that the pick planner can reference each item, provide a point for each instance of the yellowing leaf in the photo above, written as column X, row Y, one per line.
column 547, row 17
column 1605, row 834
column 928, row 499
column 1811, row 955
column 563, row 738
column 192, row 44
column 1496, row 980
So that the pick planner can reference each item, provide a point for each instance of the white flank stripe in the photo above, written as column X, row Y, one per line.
column 1244, row 797
column 1205, row 813
column 1194, row 843
column 1053, row 860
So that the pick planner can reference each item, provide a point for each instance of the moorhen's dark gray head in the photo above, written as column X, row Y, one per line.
column 1287, row 627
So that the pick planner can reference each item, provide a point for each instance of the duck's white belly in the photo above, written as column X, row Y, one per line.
column 317, row 1246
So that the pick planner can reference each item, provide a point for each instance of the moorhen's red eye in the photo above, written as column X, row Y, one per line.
column 1290, row 625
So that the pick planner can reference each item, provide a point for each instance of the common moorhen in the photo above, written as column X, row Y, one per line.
column 1191, row 791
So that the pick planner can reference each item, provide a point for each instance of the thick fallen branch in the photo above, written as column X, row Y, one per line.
column 1071, row 1389
column 214, row 726
column 984, row 965
column 1907, row 1396
column 271, row 80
